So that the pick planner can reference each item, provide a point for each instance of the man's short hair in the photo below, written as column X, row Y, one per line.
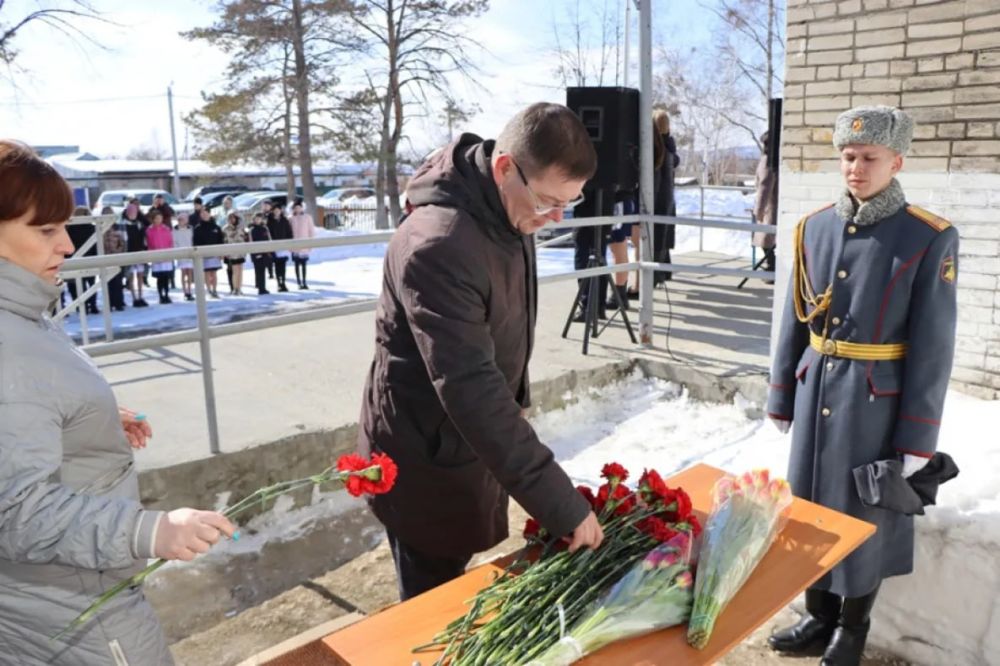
column 549, row 135
column 197, row 200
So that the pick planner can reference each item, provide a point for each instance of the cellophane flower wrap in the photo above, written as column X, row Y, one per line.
column 656, row 593
column 748, row 513
column 531, row 605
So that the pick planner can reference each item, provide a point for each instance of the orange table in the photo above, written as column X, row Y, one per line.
column 813, row 542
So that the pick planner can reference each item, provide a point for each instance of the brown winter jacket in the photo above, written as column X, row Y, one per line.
column 454, row 332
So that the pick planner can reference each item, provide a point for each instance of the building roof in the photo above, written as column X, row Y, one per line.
column 85, row 164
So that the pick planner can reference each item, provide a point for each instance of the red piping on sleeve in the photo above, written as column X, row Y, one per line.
column 918, row 419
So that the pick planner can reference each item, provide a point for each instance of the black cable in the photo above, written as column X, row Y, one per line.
column 670, row 316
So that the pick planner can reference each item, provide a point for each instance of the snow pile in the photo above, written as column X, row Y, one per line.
column 718, row 203
column 947, row 612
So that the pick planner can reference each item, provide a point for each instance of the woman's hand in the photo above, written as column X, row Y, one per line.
column 184, row 534
column 136, row 427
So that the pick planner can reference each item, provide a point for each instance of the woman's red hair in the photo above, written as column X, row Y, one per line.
column 29, row 183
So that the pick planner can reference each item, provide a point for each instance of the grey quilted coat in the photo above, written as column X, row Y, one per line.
column 71, row 524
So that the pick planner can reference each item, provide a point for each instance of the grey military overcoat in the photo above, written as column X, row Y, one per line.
column 893, row 269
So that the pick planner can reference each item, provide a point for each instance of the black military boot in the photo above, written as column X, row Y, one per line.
column 848, row 641
column 818, row 624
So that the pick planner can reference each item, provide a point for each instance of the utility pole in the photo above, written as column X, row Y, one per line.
column 628, row 16
column 173, row 140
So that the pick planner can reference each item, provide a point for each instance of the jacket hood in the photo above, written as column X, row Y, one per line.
column 459, row 176
column 24, row 293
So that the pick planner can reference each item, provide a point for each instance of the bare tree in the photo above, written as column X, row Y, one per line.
column 594, row 40
column 68, row 20
column 752, row 42
column 417, row 44
column 700, row 94
column 292, row 46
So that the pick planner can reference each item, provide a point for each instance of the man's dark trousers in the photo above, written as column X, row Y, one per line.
column 418, row 572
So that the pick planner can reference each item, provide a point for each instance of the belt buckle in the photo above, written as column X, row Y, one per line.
column 829, row 347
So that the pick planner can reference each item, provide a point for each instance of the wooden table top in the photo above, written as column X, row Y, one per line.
column 813, row 542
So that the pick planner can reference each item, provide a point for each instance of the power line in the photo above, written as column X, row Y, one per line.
column 95, row 100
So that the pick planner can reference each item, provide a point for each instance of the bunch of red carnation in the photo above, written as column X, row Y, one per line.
column 660, row 511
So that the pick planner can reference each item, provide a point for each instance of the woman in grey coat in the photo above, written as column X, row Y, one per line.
column 862, row 364
column 71, row 525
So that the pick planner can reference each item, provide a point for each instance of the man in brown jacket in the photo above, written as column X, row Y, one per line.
column 454, row 332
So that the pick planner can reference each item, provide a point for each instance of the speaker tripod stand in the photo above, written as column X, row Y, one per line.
column 590, row 305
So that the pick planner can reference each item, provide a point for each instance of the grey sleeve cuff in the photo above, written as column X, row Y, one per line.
column 144, row 539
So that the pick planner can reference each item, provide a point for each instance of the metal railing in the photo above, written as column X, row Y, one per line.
column 203, row 334
column 714, row 215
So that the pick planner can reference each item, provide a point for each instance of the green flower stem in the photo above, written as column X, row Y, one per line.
column 261, row 496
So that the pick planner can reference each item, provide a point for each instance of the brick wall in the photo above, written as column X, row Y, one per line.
column 939, row 60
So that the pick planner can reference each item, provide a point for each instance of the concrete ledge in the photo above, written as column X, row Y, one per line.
column 298, row 649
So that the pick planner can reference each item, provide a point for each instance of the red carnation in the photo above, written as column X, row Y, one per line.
column 373, row 476
column 621, row 497
column 389, row 472
column 532, row 528
column 352, row 462
column 683, row 503
column 614, row 473
column 695, row 525
column 588, row 494
column 652, row 487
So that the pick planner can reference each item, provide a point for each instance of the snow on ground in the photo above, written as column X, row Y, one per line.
column 729, row 203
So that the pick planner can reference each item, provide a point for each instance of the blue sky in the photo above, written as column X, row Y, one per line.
column 108, row 101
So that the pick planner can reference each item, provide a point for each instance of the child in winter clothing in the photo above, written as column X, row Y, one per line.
column 158, row 237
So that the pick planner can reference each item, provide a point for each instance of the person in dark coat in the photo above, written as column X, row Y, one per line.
column 80, row 233
column 665, row 163
column 280, row 229
column 862, row 363
column 261, row 260
column 135, row 241
column 207, row 232
column 160, row 204
column 765, row 208
column 454, row 332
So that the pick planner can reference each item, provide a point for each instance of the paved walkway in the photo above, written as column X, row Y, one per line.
column 276, row 382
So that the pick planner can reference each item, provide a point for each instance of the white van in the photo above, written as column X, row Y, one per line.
column 116, row 200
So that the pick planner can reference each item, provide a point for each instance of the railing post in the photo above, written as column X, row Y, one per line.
column 109, row 332
column 206, row 353
column 646, row 169
column 701, row 230
column 82, row 307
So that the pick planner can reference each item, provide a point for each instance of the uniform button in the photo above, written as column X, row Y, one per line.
column 829, row 365
column 835, row 321
column 829, row 347
column 842, row 274
column 826, row 411
column 852, row 229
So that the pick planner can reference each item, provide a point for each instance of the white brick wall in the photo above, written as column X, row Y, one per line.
column 972, row 203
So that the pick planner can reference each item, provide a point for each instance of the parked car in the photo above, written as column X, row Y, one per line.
column 205, row 190
column 333, row 198
column 116, row 200
column 250, row 203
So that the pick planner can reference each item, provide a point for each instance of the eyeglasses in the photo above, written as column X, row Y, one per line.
column 545, row 210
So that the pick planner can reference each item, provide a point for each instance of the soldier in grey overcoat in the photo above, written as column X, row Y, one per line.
column 862, row 363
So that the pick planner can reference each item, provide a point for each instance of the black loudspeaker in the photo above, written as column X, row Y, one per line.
column 774, row 133
column 611, row 116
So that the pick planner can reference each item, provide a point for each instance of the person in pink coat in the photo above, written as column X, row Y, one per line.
column 160, row 237
column 302, row 227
